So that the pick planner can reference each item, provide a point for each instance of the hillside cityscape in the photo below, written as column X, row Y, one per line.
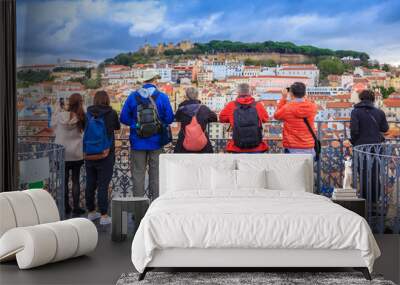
column 333, row 79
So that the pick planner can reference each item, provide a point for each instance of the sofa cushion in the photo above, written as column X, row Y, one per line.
column 45, row 205
column 7, row 218
column 23, row 208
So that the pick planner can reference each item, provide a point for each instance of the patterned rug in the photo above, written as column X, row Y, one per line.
column 244, row 278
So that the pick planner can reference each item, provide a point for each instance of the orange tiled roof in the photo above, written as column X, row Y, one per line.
column 299, row 68
column 114, row 66
column 376, row 77
column 344, row 96
column 267, row 76
column 338, row 105
column 360, row 80
column 293, row 64
column 392, row 103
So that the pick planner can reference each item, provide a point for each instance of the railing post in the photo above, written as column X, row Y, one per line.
column 318, row 190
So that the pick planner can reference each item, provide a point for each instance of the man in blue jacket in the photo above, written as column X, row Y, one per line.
column 145, row 111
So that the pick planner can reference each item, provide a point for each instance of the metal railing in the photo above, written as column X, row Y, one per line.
column 328, row 171
column 44, row 162
column 376, row 169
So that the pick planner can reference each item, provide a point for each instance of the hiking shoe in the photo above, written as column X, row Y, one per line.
column 93, row 216
column 105, row 220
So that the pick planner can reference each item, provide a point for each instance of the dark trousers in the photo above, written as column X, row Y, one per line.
column 370, row 181
column 98, row 176
column 75, row 168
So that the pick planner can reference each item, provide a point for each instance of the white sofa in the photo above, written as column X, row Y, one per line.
column 31, row 231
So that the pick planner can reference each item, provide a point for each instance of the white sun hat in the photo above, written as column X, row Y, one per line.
column 149, row 74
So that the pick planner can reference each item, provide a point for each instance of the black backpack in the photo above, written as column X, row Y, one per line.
column 148, row 123
column 247, row 129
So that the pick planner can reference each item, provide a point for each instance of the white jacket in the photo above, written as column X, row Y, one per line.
column 68, row 134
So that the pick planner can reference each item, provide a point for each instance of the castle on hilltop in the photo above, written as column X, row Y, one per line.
column 161, row 47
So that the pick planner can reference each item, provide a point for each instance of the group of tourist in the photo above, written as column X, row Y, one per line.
column 89, row 137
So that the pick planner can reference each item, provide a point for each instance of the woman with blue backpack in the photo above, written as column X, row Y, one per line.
column 99, row 154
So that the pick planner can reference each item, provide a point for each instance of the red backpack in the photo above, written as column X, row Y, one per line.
column 195, row 138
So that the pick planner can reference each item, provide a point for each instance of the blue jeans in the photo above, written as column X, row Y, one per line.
column 98, row 176
column 300, row 151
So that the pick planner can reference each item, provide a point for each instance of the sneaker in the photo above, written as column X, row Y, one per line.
column 93, row 216
column 105, row 220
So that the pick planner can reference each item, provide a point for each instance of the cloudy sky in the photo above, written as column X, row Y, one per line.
column 97, row 29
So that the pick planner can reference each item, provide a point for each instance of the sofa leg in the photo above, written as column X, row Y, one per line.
column 365, row 272
column 143, row 274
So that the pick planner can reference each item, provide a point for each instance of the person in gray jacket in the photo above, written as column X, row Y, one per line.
column 68, row 126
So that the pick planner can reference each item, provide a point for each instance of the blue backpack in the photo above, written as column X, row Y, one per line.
column 96, row 142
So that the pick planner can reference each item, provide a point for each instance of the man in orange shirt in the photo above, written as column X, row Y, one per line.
column 297, row 138
column 245, row 117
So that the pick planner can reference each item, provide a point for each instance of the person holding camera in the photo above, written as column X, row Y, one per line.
column 298, row 116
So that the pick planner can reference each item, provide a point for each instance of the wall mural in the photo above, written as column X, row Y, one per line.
column 67, row 47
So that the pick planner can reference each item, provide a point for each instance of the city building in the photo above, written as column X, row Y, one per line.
column 78, row 63
column 391, row 106
column 307, row 70
column 339, row 110
column 347, row 81
column 351, row 60
column 180, row 72
column 205, row 76
column 364, row 72
column 395, row 83
column 218, row 69
column 185, row 45
column 234, row 68
column 326, row 90
column 65, row 89
column 165, row 72
column 265, row 70
column 251, row 71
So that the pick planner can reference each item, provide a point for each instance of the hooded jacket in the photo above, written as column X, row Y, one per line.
column 68, row 135
column 129, row 116
column 226, row 116
column 184, row 115
column 367, row 124
column 295, row 131
column 110, row 119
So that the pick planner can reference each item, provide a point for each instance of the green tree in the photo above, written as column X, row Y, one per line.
column 329, row 66
column 31, row 76
column 249, row 61
column 171, row 52
column 386, row 67
column 386, row 91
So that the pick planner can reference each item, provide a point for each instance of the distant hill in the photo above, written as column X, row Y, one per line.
column 218, row 47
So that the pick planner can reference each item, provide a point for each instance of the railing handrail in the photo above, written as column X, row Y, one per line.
column 363, row 149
